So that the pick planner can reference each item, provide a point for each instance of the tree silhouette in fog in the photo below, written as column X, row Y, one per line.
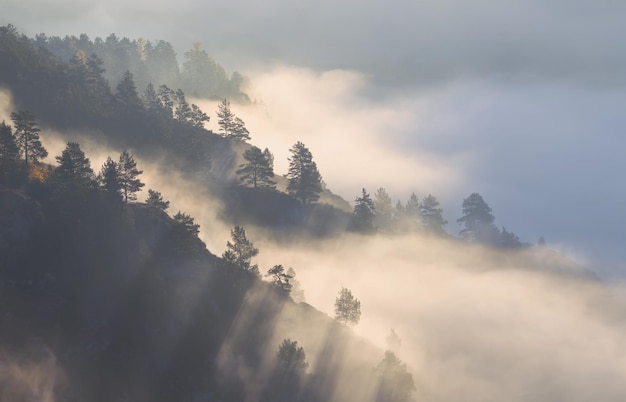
column 395, row 383
column 239, row 253
column 258, row 170
column 364, row 213
column 478, row 221
column 280, row 278
column 305, row 181
column 27, row 136
column 347, row 308
column 286, row 379
column 128, row 173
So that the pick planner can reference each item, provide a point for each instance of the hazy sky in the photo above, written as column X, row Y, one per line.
column 519, row 100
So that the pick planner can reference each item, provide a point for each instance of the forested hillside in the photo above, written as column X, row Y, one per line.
column 106, row 294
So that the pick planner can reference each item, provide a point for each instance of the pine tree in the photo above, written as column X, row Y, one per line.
column 305, row 181
column 27, row 137
column 431, row 215
column 412, row 211
column 239, row 130
column 128, row 173
column 109, row 179
column 288, row 374
column 187, row 223
column 226, row 118
column 155, row 199
column 478, row 221
column 280, row 277
column 126, row 94
column 74, row 168
column 347, row 308
column 395, row 383
column 239, row 253
column 364, row 213
column 258, row 170
column 383, row 210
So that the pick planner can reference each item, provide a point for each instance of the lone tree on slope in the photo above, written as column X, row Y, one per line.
column 258, row 170
column 347, row 308
column 305, row 181
column 128, row 173
column 239, row 253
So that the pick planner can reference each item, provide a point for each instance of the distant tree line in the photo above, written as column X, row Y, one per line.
column 200, row 75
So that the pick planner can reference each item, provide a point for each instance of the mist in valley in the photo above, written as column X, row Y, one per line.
column 540, row 141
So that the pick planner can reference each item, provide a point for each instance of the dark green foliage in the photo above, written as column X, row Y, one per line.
column 27, row 136
column 109, row 179
column 258, row 170
column 431, row 215
column 395, row 383
column 347, row 308
column 478, row 221
column 74, row 170
column 187, row 223
column 280, row 278
column 239, row 253
column 364, row 213
column 128, row 173
column 286, row 379
column 155, row 199
column 305, row 181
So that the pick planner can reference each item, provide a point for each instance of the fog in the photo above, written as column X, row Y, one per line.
column 475, row 324
column 517, row 100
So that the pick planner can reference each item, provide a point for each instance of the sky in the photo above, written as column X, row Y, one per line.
column 519, row 100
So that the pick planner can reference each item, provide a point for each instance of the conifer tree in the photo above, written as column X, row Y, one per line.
column 395, row 383
column 364, row 213
column 305, row 181
column 258, row 170
column 126, row 94
column 288, row 374
column 226, row 118
column 383, row 210
column 187, row 223
column 478, row 221
column 347, row 308
column 109, row 179
column 280, row 278
column 239, row 253
column 431, row 215
column 74, row 168
column 155, row 199
column 27, row 137
column 412, row 211
column 128, row 173
column 239, row 130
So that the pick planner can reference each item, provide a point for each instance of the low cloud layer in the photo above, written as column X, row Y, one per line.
column 475, row 325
